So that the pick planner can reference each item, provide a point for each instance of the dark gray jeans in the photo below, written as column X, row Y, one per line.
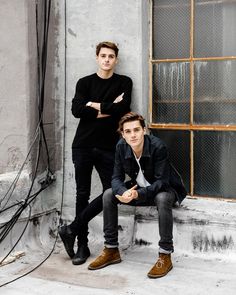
column 164, row 202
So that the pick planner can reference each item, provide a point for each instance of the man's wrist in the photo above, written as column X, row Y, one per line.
column 89, row 104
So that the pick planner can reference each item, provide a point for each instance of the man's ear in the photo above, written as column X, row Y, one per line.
column 145, row 130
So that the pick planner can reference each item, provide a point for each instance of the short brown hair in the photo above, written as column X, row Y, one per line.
column 107, row 44
column 130, row 117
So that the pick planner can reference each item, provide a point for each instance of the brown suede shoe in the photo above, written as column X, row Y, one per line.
column 161, row 267
column 108, row 256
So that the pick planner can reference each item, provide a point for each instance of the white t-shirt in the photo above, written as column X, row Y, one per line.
column 141, row 180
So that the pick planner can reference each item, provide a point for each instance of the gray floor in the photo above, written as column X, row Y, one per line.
column 191, row 275
column 199, row 224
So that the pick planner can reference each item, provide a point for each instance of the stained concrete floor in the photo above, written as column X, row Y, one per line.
column 196, row 271
column 191, row 275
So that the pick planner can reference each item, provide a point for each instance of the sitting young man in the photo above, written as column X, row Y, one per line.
column 154, row 181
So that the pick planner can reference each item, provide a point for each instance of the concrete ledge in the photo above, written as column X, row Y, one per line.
column 204, row 275
column 39, row 232
column 205, row 227
column 201, row 226
column 197, row 210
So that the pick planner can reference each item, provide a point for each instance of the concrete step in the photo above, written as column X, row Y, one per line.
column 205, row 227
column 204, row 259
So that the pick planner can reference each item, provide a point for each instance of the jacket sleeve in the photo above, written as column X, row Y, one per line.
column 118, row 177
column 79, row 108
column 161, row 175
column 122, row 107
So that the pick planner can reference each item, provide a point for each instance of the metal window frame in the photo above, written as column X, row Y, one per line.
column 191, row 127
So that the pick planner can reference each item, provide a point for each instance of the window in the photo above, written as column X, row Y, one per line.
column 193, row 92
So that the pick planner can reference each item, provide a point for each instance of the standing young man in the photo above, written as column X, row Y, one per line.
column 154, row 181
column 100, row 100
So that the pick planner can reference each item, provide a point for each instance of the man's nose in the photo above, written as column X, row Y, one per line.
column 132, row 133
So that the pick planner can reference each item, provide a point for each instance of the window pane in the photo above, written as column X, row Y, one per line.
column 215, row 28
column 171, row 92
column 215, row 162
column 178, row 145
column 171, row 27
column 215, row 92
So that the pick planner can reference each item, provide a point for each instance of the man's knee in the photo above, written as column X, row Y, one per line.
column 107, row 197
column 164, row 199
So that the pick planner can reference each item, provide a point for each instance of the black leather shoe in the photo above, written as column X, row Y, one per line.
column 81, row 255
column 68, row 239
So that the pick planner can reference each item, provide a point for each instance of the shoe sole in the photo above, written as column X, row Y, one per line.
column 82, row 261
column 105, row 264
column 159, row 276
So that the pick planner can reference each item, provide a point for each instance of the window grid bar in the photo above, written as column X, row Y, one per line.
column 188, row 127
column 193, row 127
column 150, row 67
column 191, row 97
column 214, row 58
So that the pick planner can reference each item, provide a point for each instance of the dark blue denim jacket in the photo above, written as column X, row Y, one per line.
column 155, row 165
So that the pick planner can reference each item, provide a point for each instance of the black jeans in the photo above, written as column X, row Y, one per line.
column 164, row 202
column 84, row 161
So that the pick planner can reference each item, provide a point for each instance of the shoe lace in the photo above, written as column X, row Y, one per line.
column 160, row 262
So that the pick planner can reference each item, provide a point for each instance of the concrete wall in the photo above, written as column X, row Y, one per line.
column 89, row 22
column 19, row 101
column 75, row 29
column 15, row 59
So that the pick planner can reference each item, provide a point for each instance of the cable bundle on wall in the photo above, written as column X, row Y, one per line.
column 39, row 138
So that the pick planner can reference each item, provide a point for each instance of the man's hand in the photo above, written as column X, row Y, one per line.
column 119, row 98
column 102, row 115
column 97, row 106
column 129, row 195
column 94, row 105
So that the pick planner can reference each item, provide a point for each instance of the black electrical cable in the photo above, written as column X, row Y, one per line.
column 41, row 136
column 16, row 216
column 37, row 266
column 44, row 63
column 18, row 238
column 40, row 124
column 41, row 104
column 8, row 225
column 64, row 136
column 41, row 83
column 13, row 184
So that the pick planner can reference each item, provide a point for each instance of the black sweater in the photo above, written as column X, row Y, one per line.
column 100, row 132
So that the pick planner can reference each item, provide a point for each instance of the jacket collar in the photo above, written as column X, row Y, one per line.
column 146, row 149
